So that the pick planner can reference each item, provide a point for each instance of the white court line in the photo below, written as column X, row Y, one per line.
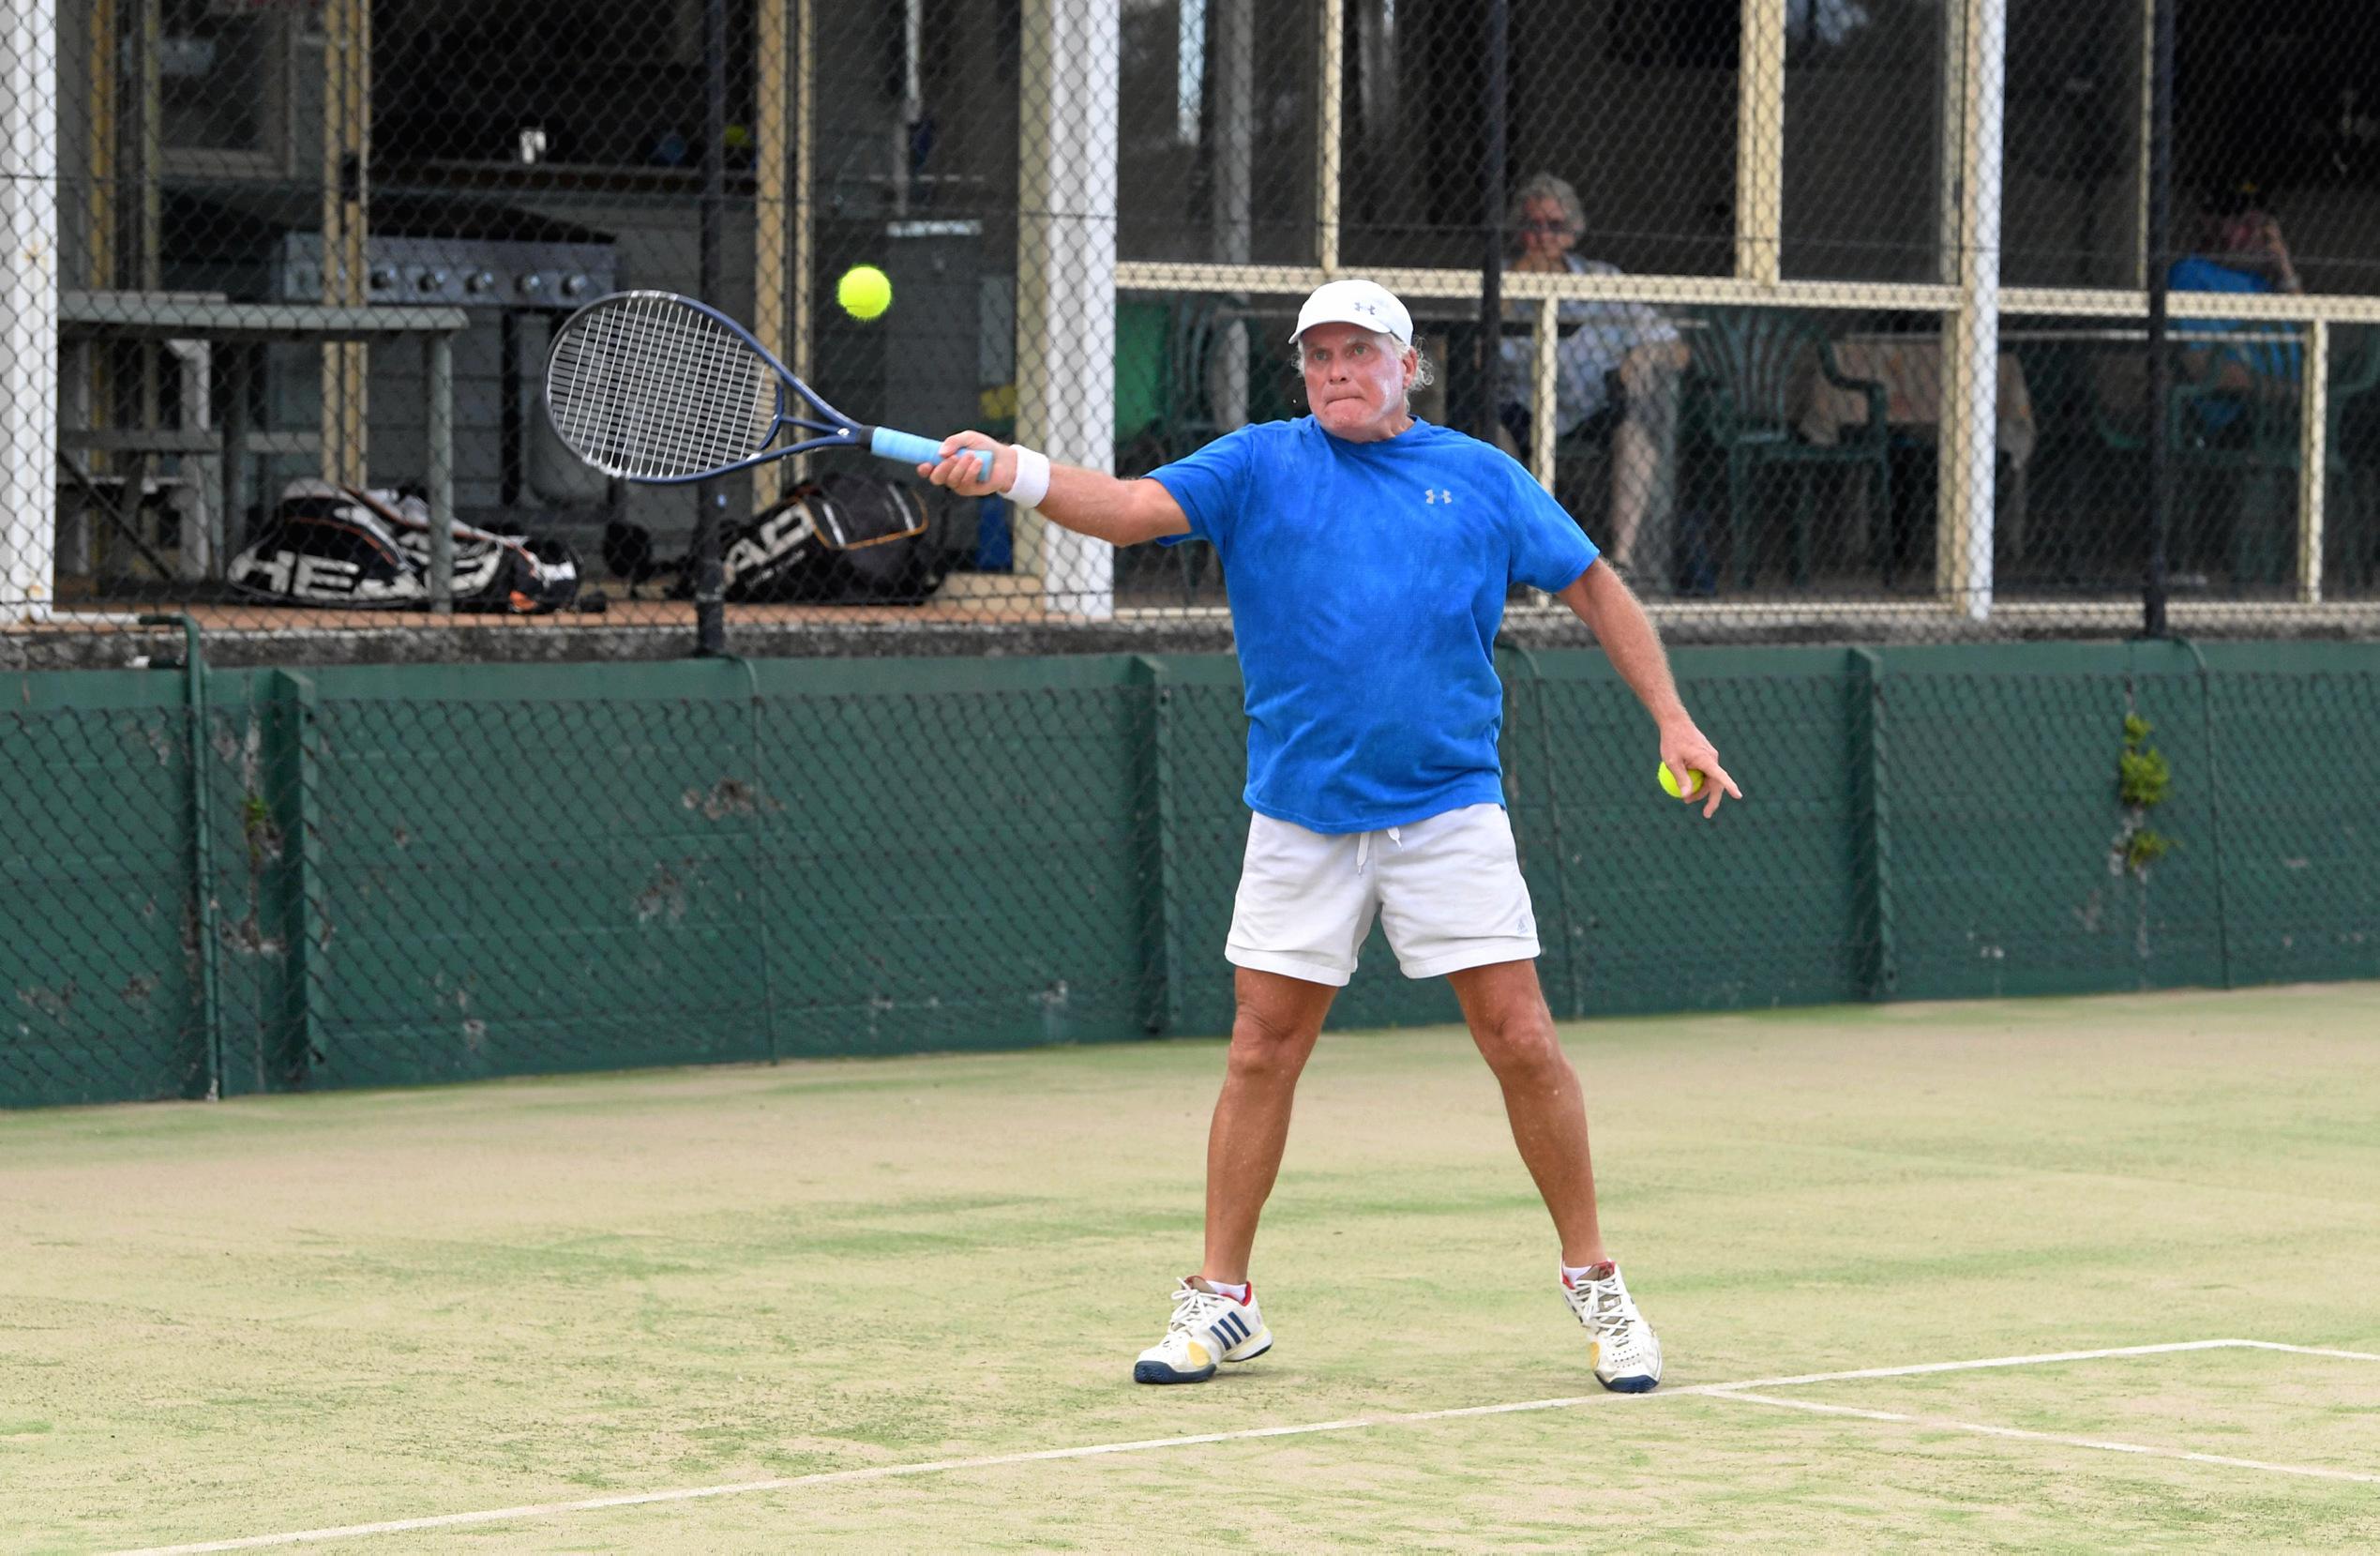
column 939, row 1466
column 1941, row 1424
column 1994, row 1360
column 2308, row 1349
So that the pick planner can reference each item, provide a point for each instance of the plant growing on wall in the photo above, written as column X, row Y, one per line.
column 2143, row 777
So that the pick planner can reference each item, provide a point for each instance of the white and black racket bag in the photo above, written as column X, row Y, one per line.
column 337, row 546
column 846, row 539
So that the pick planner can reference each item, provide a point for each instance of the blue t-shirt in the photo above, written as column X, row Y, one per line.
column 2275, row 359
column 1367, row 580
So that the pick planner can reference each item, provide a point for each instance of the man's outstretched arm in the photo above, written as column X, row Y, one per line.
column 1087, row 502
column 1603, row 601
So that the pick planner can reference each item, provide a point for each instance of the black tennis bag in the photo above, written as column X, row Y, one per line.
column 846, row 539
column 335, row 546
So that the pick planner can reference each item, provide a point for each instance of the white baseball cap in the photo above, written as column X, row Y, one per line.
column 1356, row 302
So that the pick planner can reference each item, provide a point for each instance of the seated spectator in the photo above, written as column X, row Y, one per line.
column 2239, row 248
column 1617, row 372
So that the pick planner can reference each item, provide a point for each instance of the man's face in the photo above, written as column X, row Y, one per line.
column 1356, row 381
column 2242, row 235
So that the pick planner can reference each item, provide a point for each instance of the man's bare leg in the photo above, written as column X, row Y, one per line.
column 1271, row 1037
column 1516, row 1033
column 1506, row 1010
column 1644, row 452
column 1634, row 462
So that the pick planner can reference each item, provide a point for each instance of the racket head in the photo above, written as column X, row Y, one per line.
column 655, row 387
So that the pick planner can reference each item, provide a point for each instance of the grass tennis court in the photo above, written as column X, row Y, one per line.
column 272, row 1316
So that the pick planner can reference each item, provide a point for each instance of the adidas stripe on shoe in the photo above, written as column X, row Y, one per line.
column 1207, row 1328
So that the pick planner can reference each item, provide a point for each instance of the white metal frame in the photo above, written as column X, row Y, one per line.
column 1967, row 487
column 28, row 308
column 1071, row 78
column 1760, row 102
column 1078, row 119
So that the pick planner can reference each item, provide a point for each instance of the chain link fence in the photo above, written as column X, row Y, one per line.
column 270, row 880
column 1828, row 318
column 1879, row 323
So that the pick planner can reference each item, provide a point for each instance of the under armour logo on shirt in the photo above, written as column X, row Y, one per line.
column 1436, row 494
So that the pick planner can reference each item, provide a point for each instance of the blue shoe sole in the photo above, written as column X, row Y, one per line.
column 1629, row 1385
column 1157, row 1372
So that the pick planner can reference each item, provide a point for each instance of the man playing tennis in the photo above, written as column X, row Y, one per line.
column 1367, row 557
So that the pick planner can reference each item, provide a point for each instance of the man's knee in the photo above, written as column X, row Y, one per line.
column 1268, row 1046
column 1519, row 1044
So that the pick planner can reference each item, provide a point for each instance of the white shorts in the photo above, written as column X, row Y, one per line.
column 1448, row 890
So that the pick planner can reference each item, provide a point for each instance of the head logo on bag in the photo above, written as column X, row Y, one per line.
column 335, row 546
column 847, row 540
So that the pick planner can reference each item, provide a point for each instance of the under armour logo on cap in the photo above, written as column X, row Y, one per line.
column 1366, row 304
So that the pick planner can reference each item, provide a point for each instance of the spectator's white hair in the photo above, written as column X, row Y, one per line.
column 1424, row 373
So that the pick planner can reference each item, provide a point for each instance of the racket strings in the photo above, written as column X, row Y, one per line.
column 651, row 387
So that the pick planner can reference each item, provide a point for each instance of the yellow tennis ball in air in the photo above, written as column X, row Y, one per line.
column 1669, row 781
column 865, row 292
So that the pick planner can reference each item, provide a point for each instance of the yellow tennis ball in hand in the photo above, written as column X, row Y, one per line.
column 865, row 292
column 1669, row 781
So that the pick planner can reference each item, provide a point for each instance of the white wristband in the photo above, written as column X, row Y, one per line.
column 1032, row 477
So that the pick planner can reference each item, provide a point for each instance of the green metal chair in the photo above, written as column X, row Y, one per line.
column 2352, row 500
column 1173, row 344
column 1751, row 366
column 2250, row 437
column 1189, row 424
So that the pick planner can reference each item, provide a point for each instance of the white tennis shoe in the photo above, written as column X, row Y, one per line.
column 1627, row 1353
column 1207, row 1327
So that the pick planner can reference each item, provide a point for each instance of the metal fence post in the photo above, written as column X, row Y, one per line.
column 1491, row 220
column 201, row 853
column 1572, row 932
column 1165, row 958
column 2161, row 258
column 29, row 310
column 762, row 803
column 1968, row 444
column 439, row 352
column 292, row 786
column 1871, row 832
column 710, row 608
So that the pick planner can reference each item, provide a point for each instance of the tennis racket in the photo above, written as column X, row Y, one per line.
column 661, row 389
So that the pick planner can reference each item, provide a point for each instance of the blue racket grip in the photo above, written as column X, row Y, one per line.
column 910, row 449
